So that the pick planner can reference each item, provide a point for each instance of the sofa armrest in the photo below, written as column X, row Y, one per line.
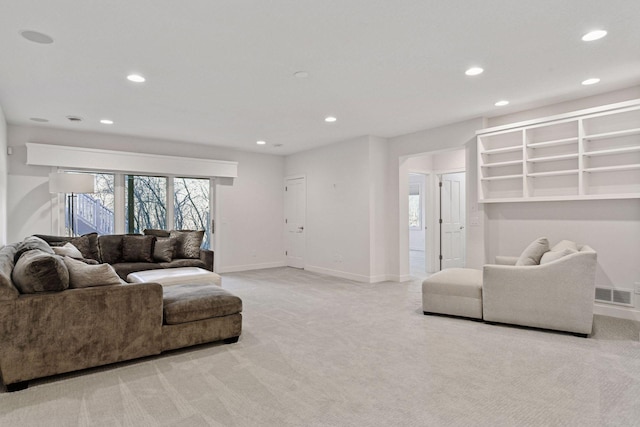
column 558, row 295
column 52, row 333
column 206, row 256
column 506, row 260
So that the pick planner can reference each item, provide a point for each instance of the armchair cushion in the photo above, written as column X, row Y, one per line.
column 554, row 255
column 532, row 254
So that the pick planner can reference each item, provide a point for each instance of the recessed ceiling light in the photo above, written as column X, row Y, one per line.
column 594, row 35
column 474, row 71
column 301, row 74
column 136, row 78
column 261, row 142
column 106, row 122
column 36, row 37
column 330, row 119
column 38, row 119
column 501, row 103
column 591, row 81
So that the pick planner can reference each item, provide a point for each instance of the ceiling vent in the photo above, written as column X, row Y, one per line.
column 74, row 119
column 614, row 296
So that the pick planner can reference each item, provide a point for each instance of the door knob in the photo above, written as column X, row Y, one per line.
column 300, row 228
column 461, row 227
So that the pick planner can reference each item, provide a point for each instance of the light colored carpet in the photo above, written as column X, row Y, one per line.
column 320, row 351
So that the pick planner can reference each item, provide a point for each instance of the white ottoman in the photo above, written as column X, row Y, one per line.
column 454, row 291
column 176, row 276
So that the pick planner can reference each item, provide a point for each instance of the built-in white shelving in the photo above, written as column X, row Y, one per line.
column 582, row 155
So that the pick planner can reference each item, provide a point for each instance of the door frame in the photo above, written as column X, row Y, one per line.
column 284, row 225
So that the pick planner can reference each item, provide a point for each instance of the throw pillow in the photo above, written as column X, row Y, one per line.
column 188, row 243
column 532, row 254
column 164, row 249
column 87, row 244
column 7, row 290
column 110, row 248
column 83, row 275
column 565, row 244
column 156, row 232
column 137, row 248
column 31, row 243
column 38, row 271
column 67, row 250
column 554, row 255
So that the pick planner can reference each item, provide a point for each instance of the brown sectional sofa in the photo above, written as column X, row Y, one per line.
column 52, row 332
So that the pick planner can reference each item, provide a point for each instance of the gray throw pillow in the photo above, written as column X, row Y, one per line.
column 31, row 243
column 554, row 255
column 137, row 248
column 67, row 250
column 110, row 248
column 164, row 249
column 87, row 244
column 532, row 254
column 188, row 243
column 38, row 271
column 82, row 275
column 7, row 290
column 156, row 232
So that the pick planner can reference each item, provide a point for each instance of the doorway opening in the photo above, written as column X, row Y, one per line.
column 436, row 208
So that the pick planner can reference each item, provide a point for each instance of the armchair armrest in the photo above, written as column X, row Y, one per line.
column 206, row 256
column 506, row 260
column 558, row 295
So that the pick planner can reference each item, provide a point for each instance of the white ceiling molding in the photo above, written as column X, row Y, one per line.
column 123, row 161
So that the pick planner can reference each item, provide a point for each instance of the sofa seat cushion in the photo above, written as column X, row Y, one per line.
column 125, row 268
column 186, row 262
column 189, row 303
column 454, row 291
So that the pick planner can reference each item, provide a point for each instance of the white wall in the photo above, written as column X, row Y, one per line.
column 339, row 206
column 401, row 149
column 611, row 227
column 3, row 178
column 378, row 152
column 250, row 212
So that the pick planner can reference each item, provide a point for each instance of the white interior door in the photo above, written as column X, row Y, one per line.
column 295, row 215
column 452, row 210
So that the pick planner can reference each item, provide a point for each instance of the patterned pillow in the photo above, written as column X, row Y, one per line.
column 188, row 243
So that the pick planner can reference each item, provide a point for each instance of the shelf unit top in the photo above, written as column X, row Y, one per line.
column 557, row 117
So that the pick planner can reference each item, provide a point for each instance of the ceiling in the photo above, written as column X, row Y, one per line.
column 222, row 72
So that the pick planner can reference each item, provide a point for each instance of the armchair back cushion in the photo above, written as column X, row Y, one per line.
column 532, row 254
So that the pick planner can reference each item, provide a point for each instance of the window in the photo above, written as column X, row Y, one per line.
column 92, row 212
column 191, row 206
column 415, row 206
column 145, row 203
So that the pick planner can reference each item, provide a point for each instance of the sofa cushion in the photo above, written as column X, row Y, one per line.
column 532, row 254
column 7, row 289
column 110, row 248
column 67, row 250
column 156, row 232
column 83, row 275
column 137, row 248
column 87, row 244
column 164, row 249
column 39, row 271
column 31, row 243
column 188, row 303
column 188, row 243
column 125, row 268
column 188, row 262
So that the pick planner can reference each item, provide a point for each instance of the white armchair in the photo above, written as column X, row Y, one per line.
column 557, row 295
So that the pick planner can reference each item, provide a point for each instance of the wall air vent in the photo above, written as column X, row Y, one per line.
column 614, row 296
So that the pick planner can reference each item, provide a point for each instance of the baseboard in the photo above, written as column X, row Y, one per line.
column 338, row 273
column 619, row 312
column 398, row 278
column 247, row 267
